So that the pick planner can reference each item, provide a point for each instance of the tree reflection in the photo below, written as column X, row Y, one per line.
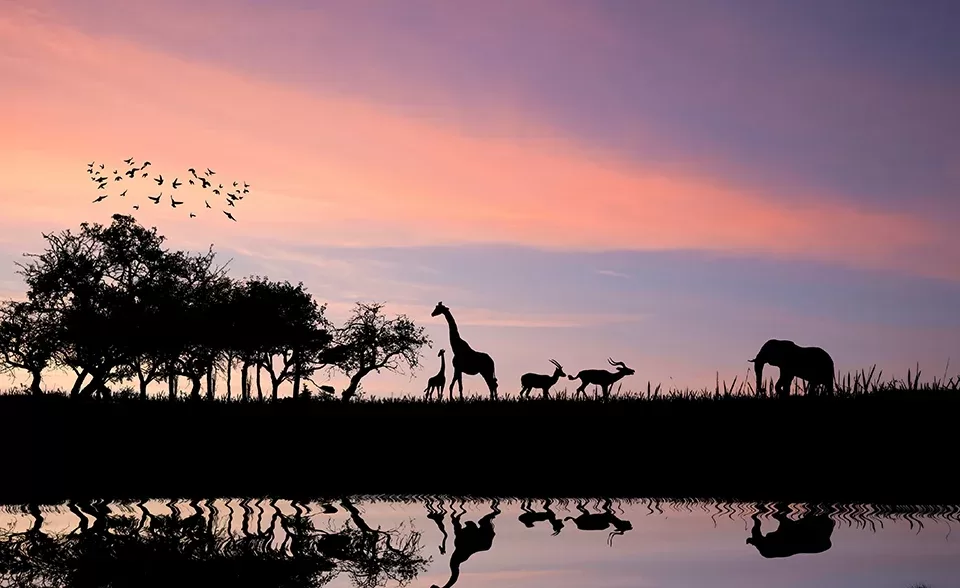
column 148, row 549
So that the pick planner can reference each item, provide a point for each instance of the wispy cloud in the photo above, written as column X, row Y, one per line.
column 406, row 182
column 611, row 273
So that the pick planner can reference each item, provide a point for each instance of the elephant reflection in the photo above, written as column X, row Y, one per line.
column 808, row 534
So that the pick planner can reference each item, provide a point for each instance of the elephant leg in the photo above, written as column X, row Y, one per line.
column 783, row 385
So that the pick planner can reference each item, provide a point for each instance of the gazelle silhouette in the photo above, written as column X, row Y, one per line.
column 588, row 521
column 465, row 359
column 542, row 382
column 530, row 516
column 601, row 378
column 436, row 382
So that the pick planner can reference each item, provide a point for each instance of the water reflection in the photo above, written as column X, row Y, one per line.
column 808, row 534
column 370, row 543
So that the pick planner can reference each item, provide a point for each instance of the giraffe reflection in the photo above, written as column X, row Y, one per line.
column 808, row 534
column 436, row 513
column 530, row 516
column 469, row 538
column 588, row 521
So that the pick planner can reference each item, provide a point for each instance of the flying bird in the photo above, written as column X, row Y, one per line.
column 217, row 192
column 122, row 194
column 156, row 199
column 193, row 172
column 230, row 202
column 145, row 174
column 145, row 164
column 117, row 179
column 159, row 180
column 229, row 216
column 101, row 166
column 115, row 172
column 204, row 182
column 173, row 202
column 234, row 184
column 207, row 203
column 131, row 172
column 99, row 198
column 191, row 182
column 136, row 207
column 210, row 172
column 91, row 164
column 128, row 161
column 176, row 184
column 246, row 185
column 192, row 215
column 102, row 186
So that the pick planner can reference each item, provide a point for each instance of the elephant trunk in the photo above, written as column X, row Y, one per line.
column 758, row 368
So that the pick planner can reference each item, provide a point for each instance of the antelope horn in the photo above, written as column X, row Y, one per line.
column 554, row 362
column 611, row 361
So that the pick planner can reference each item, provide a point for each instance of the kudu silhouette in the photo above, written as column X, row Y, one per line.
column 542, row 382
column 601, row 378
column 468, row 539
column 809, row 534
column 465, row 359
column 436, row 382
column 529, row 516
column 812, row 364
column 588, row 521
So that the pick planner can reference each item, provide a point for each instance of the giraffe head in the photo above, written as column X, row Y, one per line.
column 441, row 352
column 440, row 309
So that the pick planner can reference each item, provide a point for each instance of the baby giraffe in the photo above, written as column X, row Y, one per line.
column 438, row 381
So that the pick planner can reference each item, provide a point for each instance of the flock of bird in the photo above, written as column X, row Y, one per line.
column 231, row 194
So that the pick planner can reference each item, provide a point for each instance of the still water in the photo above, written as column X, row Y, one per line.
column 601, row 543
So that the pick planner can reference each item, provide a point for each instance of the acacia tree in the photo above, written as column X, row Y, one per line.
column 371, row 342
column 29, row 337
column 94, row 281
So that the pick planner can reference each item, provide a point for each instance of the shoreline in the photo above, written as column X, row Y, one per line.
column 871, row 449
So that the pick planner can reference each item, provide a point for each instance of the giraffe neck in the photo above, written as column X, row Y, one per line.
column 443, row 365
column 455, row 339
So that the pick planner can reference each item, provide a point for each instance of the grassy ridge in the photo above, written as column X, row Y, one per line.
column 884, row 445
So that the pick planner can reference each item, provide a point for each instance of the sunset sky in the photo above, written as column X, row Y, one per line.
column 668, row 183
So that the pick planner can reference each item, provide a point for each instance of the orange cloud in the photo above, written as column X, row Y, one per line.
column 336, row 170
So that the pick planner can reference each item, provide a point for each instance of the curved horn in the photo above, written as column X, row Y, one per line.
column 554, row 362
column 611, row 361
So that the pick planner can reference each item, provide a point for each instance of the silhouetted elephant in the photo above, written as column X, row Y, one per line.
column 812, row 364
column 809, row 534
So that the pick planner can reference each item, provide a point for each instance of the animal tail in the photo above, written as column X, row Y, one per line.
column 573, row 377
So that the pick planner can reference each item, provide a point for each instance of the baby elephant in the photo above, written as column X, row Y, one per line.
column 812, row 364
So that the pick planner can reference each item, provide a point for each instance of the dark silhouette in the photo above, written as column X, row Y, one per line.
column 436, row 513
column 229, row 216
column 470, row 538
column 110, row 550
column 587, row 521
column 812, row 364
column 437, row 381
column 465, row 359
column 530, row 516
column 542, row 382
column 601, row 378
column 809, row 534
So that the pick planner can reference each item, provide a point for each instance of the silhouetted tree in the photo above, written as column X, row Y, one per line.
column 29, row 338
column 371, row 343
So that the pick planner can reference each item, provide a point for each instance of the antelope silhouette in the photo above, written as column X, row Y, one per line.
column 529, row 516
column 437, row 382
column 465, row 359
column 601, row 378
column 542, row 382
column 812, row 364
column 588, row 521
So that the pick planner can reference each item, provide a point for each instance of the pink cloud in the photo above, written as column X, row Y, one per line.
column 333, row 170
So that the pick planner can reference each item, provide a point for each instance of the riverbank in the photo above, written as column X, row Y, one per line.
column 887, row 448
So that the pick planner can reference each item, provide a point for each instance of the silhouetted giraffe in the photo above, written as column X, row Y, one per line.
column 465, row 359
column 436, row 382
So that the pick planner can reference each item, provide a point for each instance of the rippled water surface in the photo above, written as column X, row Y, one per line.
column 472, row 544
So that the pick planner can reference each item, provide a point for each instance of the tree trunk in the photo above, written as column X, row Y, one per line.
column 259, row 385
column 245, row 381
column 78, row 383
column 172, row 386
column 143, row 388
column 274, row 388
column 296, row 374
column 197, row 382
column 95, row 385
column 229, row 377
column 351, row 390
column 35, row 383
column 211, row 387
